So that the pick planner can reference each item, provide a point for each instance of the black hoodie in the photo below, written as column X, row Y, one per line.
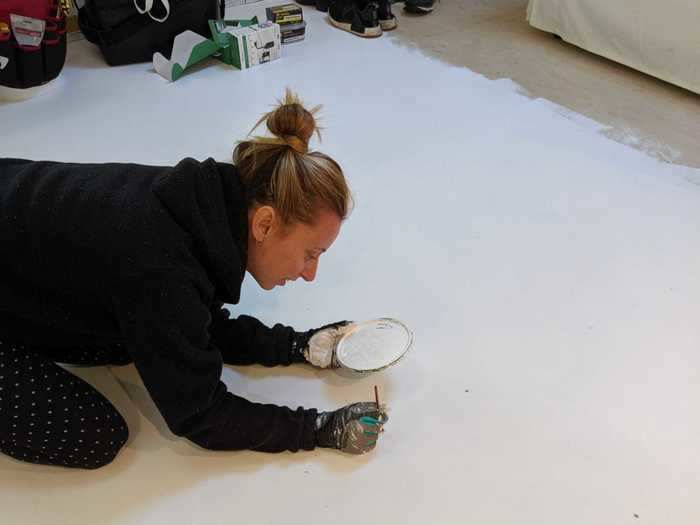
column 145, row 257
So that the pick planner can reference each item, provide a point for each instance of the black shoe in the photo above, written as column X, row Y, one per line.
column 420, row 7
column 387, row 20
column 359, row 17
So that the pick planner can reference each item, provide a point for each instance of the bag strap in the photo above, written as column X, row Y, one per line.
column 149, row 5
column 129, row 27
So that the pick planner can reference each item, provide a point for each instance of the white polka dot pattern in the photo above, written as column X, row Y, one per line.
column 52, row 417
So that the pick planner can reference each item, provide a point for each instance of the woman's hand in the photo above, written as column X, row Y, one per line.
column 318, row 346
column 353, row 429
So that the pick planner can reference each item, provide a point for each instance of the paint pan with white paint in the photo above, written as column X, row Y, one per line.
column 374, row 345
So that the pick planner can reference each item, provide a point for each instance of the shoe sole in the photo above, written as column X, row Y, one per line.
column 418, row 10
column 388, row 25
column 370, row 32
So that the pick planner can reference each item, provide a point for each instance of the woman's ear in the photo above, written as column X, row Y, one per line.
column 263, row 221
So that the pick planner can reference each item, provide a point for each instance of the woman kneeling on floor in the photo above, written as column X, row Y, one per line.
column 118, row 263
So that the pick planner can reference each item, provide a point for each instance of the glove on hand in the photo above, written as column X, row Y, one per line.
column 318, row 346
column 353, row 429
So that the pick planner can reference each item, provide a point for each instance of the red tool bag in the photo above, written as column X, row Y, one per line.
column 32, row 42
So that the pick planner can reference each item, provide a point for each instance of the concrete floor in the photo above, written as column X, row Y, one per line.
column 550, row 276
column 492, row 37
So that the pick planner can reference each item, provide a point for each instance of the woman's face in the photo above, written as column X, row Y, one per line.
column 278, row 253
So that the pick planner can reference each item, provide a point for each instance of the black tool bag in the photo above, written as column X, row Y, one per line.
column 130, row 31
column 24, row 66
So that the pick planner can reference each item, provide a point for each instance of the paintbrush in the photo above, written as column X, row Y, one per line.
column 379, row 409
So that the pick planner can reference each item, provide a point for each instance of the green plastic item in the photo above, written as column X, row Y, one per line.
column 189, row 48
column 198, row 53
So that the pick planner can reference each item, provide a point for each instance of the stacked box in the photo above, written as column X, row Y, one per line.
column 291, row 21
column 285, row 14
column 293, row 32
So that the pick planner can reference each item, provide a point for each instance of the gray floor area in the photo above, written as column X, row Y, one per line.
column 493, row 38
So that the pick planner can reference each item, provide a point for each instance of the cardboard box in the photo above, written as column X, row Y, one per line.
column 255, row 44
column 293, row 32
column 220, row 32
column 285, row 14
column 291, row 19
column 290, row 39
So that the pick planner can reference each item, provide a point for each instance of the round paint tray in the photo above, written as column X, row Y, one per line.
column 374, row 345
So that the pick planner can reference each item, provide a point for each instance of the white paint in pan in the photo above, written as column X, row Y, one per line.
column 374, row 345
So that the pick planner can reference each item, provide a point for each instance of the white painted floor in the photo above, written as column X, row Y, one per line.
column 551, row 276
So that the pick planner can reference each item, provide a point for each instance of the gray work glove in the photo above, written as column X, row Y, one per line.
column 318, row 346
column 353, row 429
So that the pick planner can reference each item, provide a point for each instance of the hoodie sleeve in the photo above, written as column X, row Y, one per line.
column 165, row 325
column 246, row 341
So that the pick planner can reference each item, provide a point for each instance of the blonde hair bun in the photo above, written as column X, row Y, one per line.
column 291, row 123
column 280, row 171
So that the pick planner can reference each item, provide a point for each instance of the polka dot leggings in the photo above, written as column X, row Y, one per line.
column 52, row 417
